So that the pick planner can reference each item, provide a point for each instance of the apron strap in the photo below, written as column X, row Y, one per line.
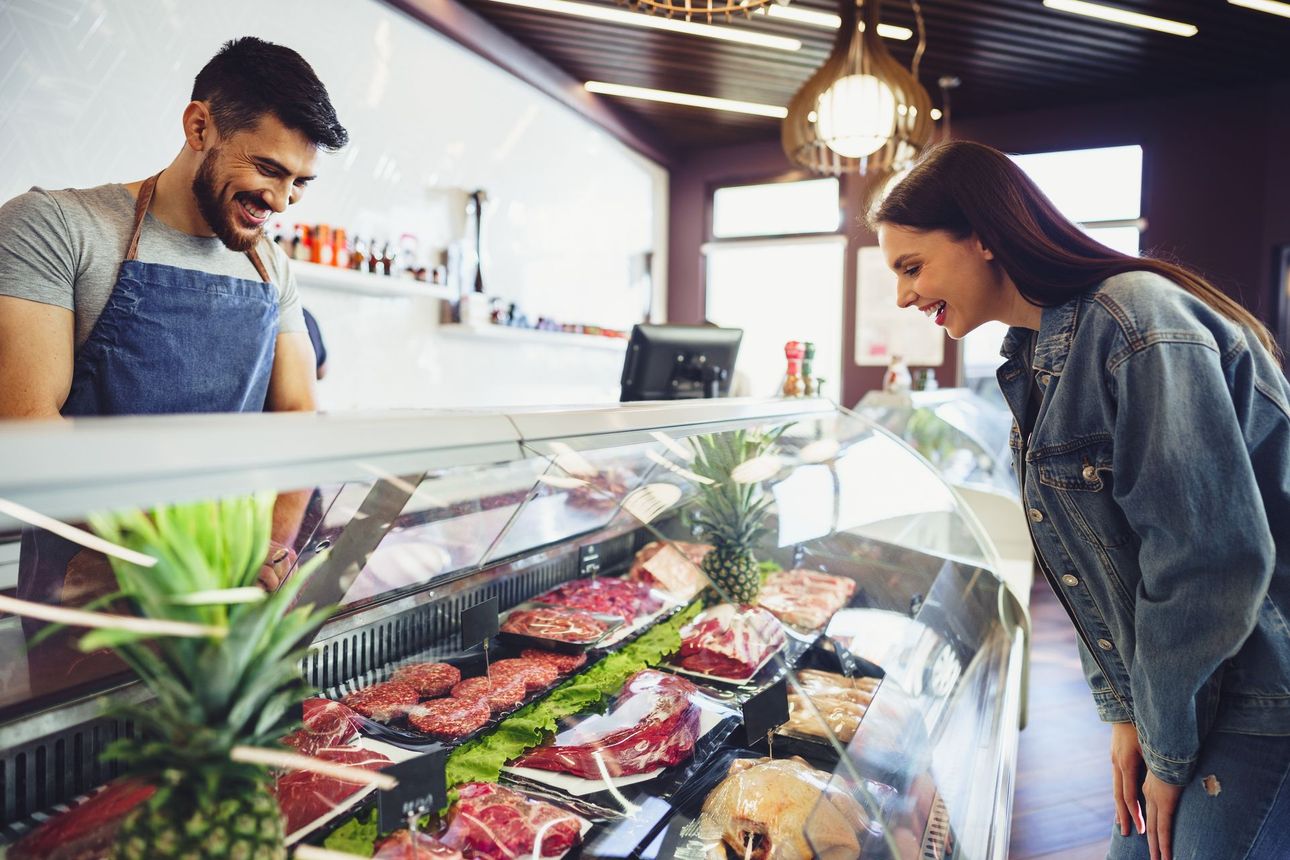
column 141, row 205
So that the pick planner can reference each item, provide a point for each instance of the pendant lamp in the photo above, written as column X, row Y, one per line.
column 704, row 8
column 862, row 111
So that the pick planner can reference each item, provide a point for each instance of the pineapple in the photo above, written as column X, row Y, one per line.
column 212, row 693
column 730, row 513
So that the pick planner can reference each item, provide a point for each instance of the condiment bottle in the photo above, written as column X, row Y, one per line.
column 794, row 386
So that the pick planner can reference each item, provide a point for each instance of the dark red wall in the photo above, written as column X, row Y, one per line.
column 1216, row 192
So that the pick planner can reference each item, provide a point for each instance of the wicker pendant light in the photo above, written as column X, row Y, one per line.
column 862, row 111
column 704, row 8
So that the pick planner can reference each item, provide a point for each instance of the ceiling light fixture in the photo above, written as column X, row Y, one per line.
column 688, row 8
column 1272, row 7
column 687, row 99
column 1122, row 16
column 862, row 111
column 635, row 19
column 829, row 21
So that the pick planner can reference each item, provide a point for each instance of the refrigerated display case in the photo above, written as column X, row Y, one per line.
column 880, row 624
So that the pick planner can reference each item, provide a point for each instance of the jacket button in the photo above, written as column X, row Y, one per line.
column 1070, row 580
column 1044, row 379
column 1105, row 644
column 1036, row 515
column 1090, row 473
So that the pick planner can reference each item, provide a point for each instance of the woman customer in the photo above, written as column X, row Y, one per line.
column 1152, row 445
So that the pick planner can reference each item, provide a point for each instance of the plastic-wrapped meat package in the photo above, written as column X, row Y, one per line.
column 806, row 599
column 559, row 624
column 87, row 831
column 671, row 566
column 839, row 703
column 729, row 641
column 562, row 663
column 326, row 724
column 451, row 719
column 625, row 598
column 770, row 810
column 491, row 821
column 406, row 845
column 304, row 797
column 653, row 724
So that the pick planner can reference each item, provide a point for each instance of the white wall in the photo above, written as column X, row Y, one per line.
column 91, row 91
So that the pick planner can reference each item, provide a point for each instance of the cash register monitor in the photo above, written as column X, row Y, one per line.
column 678, row 362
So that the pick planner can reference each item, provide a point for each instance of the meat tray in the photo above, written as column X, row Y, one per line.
column 583, row 635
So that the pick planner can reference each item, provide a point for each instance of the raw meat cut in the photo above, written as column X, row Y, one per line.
column 840, row 701
column 654, row 723
column 452, row 719
column 383, row 702
column 771, row 810
column 326, row 724
column 430, row 679
column 500, row 696
column 406, row 845
column 305, row 797
column 562, row 625
column 537, row 674
column 87, row 830
column 563, row 663
column 729, row 641
column 624, row 598
column 489, row 821
column 803, row 598
column 672, row 566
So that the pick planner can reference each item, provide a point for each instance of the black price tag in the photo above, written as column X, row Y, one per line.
column 422, row 789
column 766, row 711
column 479, row 622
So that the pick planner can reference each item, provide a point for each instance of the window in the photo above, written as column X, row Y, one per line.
column 1098, row 189
column 766, row 275
column 776, row 209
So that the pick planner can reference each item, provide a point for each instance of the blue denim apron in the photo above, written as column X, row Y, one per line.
column 169, row 340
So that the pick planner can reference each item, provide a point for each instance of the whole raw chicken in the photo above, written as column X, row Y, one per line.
column 770, row 810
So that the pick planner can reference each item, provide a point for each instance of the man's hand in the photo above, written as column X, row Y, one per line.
column 1162, row 802
column 1126, row 776
column 276, row 566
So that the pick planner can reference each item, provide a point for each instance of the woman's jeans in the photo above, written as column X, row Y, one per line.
column 1243, row 813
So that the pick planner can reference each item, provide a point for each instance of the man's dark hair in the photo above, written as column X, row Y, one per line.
column 250, row 77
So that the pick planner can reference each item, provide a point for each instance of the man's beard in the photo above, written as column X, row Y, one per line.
column 217, row 215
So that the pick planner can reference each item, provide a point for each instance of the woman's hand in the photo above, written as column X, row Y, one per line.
column 1162, row 801
column 1126, row 777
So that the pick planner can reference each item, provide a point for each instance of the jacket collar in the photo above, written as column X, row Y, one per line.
column 1053, row 342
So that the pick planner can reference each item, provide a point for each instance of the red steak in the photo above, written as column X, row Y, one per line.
column 85, row 831
column 729, row 641
column 654, row 724
column 383, row 702
column 489, row 821
column 430, row 679
column 327, row 724
column 562, row 625
column 305, row 797
column 406, row 845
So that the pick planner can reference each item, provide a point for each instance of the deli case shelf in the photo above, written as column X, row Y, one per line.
column 826, row 564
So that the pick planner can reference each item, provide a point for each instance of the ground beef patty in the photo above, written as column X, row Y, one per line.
column 431, row 679
column 564, row 663
column 383, row 702
column 452, row 719
column 500, row 696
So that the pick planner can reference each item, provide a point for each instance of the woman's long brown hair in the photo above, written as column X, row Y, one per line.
column 968, row 188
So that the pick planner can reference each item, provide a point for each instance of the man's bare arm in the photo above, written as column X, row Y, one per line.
column 291, row 389
column 36, row 355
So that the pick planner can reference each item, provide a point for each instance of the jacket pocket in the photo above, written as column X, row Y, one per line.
column 1082, row 473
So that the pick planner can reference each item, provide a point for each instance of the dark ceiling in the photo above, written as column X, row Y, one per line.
column 1010, row 55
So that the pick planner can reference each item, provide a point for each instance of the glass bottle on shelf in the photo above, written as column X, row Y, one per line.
column 897, row 378
column 809, row 388
column 794, row 385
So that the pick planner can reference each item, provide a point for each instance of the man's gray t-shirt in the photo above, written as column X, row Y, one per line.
column 65, row 248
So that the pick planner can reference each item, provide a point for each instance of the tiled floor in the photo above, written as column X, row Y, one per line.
column 1063, row 808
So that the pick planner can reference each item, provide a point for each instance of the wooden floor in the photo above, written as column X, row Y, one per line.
column 1063, row 808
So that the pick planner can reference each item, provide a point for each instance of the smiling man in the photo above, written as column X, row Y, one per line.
column 164, row 295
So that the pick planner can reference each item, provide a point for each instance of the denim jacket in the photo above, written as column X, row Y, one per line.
column 1156, row 480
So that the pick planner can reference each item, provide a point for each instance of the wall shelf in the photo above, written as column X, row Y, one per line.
column 366, row 283
column 529, row 335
